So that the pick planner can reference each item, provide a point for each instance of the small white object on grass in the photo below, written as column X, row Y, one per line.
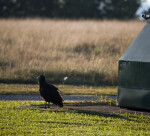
column 65, row 78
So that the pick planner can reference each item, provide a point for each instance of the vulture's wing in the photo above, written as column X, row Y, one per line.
column 53, row 94
column 52, row 87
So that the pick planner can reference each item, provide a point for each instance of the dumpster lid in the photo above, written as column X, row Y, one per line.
column 139, row 49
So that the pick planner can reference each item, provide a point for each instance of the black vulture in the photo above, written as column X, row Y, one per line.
column 49, row 92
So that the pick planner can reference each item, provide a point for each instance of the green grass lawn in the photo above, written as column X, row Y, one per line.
column 17, row 121
column 65, row 89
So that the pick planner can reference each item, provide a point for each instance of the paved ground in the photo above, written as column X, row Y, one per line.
column 38, row 98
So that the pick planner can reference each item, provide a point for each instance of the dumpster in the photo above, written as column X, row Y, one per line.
column 134, row 72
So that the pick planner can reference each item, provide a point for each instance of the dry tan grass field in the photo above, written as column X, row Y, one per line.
column 86, row 51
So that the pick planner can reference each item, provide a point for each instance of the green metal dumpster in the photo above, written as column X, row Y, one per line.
column 134, row 72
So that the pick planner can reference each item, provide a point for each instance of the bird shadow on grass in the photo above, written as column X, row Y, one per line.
column 71, row 109
column 112, row 115
column 64, row 123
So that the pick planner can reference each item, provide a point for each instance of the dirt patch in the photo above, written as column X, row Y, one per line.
column 94, row 108
column 107, row 109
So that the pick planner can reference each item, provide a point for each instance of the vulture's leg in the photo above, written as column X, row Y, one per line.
column 45, row 105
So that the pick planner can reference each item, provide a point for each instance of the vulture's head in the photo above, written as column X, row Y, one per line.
column 41, row 79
